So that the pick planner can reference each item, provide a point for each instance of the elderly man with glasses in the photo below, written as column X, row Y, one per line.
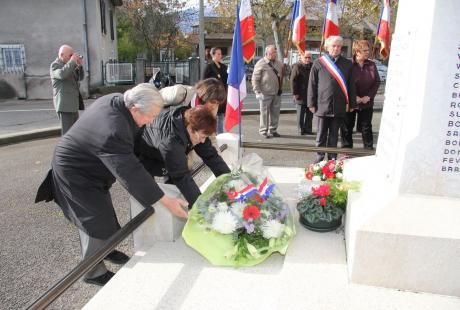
column 331, row 93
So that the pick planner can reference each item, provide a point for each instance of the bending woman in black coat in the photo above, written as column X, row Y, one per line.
column 165, row 143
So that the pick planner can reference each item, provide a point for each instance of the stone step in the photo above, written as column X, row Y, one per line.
column 312, row 275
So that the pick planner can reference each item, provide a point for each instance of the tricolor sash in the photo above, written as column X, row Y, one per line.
column 337, row 74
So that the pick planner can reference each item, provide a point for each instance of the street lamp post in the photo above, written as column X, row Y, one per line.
column 201, row 42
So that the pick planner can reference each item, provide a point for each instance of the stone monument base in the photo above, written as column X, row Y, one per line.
column 161, row 226
column 402, row 241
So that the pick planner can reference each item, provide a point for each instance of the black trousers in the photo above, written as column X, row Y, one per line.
column 346, row 129
column 304, row 118
column 328, row 135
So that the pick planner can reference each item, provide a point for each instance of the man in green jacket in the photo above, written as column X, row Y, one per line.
column 66, row 73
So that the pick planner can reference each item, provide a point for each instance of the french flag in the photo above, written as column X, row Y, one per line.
column 236, row 81
column 248, row 31
column 383, row 30
column 299, row 26
column 332, row 21
column 265, row 189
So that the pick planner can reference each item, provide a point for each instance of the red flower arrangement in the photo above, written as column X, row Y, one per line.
column 251, row 212
column 324, row 170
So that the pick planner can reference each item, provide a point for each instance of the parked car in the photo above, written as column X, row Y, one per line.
column 382, row 69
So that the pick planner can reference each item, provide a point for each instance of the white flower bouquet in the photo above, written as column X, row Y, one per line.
column 239, row 220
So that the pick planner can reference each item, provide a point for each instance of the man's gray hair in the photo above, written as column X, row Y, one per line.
column 268, row 48
column 143, row 96
column 333, row 39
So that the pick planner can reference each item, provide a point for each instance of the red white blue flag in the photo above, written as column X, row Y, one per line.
column 299, row 26
column 265, row 189
column 383, row 29
column 248, row 31
column 236, row 81
column 337, row 74
column 331, row 26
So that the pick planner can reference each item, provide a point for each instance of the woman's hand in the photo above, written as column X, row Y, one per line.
column 175, row 206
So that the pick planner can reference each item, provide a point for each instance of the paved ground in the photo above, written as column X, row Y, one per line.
column 38, row 246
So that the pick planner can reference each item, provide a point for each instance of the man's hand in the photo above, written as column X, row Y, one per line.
column 259, row 96
column 312, row 109
column 296, row 97
column 175, row 206
column 75, row 58
column 366, row 99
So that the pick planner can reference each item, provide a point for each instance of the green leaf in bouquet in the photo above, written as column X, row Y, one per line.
column 252, row 250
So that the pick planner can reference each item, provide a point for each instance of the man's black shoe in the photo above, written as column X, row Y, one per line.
column 117, row 257
column 276, row 135
column 101, row 280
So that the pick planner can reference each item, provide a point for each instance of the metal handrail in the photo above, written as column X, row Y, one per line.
column 307, row 148
column 88, row 263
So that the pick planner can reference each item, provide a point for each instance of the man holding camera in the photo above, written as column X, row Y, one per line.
column 267, row 84
column 66, row 73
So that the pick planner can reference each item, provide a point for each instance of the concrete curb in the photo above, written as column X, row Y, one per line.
column 30, row 135
column 56, row 131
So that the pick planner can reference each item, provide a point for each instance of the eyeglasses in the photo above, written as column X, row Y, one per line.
column 308, row 57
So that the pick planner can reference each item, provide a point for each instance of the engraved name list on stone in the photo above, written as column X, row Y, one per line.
column 451, row 152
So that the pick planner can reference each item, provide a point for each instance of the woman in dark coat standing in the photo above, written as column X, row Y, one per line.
column 300, row 74
column 217, row 70
column 165, row 143
column 95, row 152
column 367, row 81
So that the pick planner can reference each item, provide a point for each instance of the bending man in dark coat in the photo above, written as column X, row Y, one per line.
column 95, row 152
column 165, row 143
column 326, row 98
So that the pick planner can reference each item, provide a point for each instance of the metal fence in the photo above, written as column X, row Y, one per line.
column 119, row 73
column 180, row 72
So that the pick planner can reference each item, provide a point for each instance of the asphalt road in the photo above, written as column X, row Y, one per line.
column 38, row 246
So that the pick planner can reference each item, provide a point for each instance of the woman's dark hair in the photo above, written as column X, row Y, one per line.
column 200, row 119
column 211, row 90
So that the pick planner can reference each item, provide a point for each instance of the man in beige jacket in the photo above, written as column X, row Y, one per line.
column 266, row 83
column 66, row 72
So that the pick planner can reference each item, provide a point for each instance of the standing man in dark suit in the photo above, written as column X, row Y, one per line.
column 216, row 69
column 299, row 85
column 66, row 73
column 98, row 150
column 331, row 93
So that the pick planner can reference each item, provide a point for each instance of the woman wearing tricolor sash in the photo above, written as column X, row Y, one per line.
column 331, row 93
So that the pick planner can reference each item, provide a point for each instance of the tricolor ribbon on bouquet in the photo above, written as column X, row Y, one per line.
column 265, row 189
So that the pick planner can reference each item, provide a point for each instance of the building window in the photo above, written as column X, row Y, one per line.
column 112, row 30
column 12, row 58
column 260, row 51
column 103, row 25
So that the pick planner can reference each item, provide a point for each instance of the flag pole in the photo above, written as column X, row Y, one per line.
column 240, row 140
column 324, row 27
column 377, row 32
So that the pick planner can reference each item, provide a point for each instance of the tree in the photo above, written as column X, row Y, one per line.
column 155, row 22
column 276, row 11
